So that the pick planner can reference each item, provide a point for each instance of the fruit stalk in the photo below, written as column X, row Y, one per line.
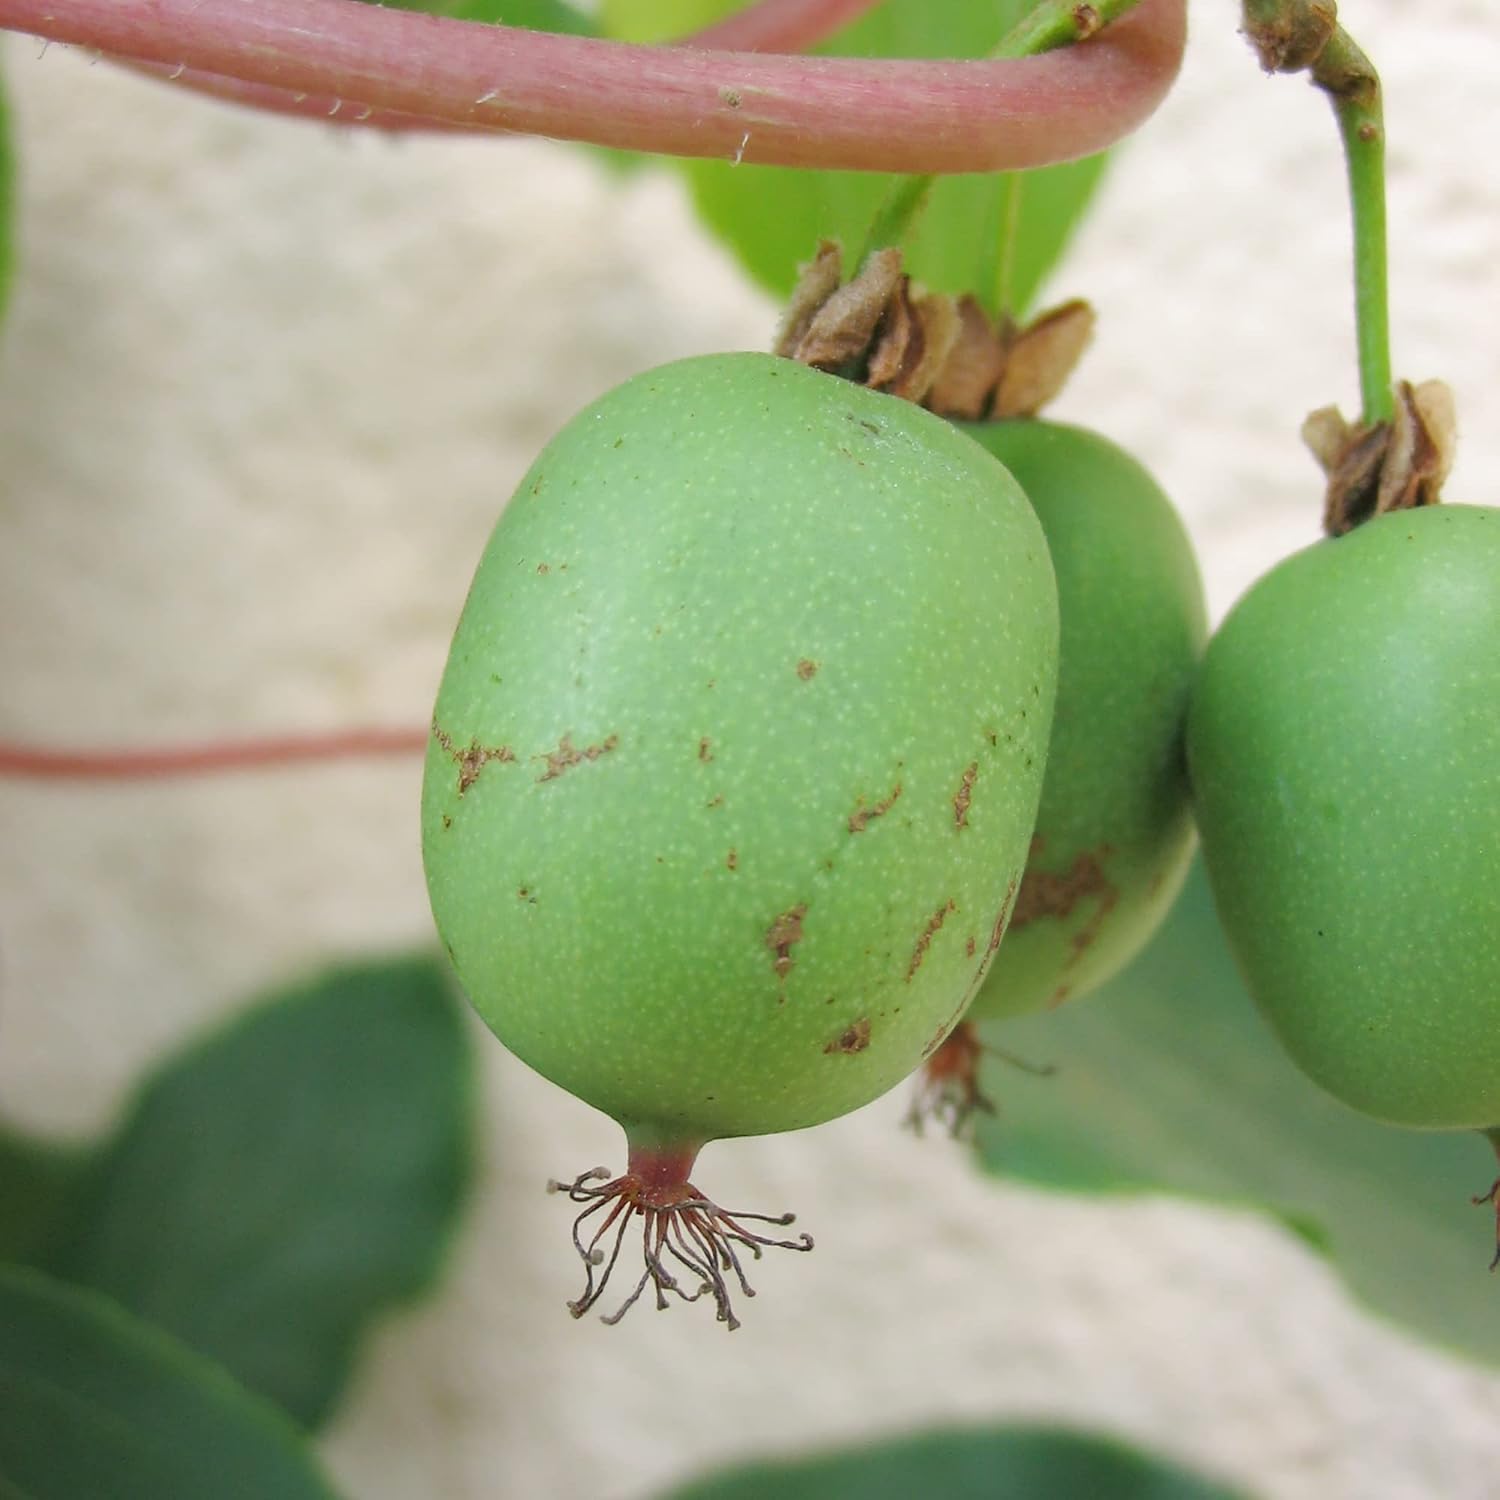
column 1293, row 36
column 873, row 115
column 1052, row 24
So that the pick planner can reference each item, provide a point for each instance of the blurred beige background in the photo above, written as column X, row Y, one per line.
column 263, row 390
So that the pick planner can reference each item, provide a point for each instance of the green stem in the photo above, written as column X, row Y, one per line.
column 1345, row 73
column 1051, row 24
column 1294, row 36
column 1010, row 223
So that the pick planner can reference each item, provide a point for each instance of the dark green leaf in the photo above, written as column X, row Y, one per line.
column 773, row 217
column 278, row 1186
column 94, row 1403
column 1019, row 1462
column 39, row 1182
column 1167, row 1081
column 535, row 15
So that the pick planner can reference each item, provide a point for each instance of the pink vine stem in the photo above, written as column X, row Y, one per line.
column 51, row 763
column 872, row 115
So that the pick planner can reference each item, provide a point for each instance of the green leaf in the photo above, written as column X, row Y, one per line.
column 39, row 1183
column 773, row 217
column 95, row 1403
column 278, row 1186
column 1167, row 1081
column 958, row 1465
column 535, row 15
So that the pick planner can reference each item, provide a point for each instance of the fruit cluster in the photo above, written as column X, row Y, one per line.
column 778, row 702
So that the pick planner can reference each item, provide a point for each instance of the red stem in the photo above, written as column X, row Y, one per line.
column 50, row 763
column 768, row 26
column 877, row 115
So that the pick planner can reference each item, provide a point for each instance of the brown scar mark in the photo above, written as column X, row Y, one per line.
column 782, row 934
column 447, row 821
column 970, row 947
column 862, row 816
column 543, row 569
column 733, row 861
column 567, row 755
column 1044, row 894
column 807, row 669
column 851, row 1039
column 992, row 947
column 1058, row 995
column 472, row 760
column 705, row 750
column 934, row 924
column 730, row 98
column 965, row 794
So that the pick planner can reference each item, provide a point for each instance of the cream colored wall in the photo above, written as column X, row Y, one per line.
column 262, row 392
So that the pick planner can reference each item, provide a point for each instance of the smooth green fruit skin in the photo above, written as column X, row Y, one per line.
column 1344, row 749
column 739, row 746
column 1114, row 834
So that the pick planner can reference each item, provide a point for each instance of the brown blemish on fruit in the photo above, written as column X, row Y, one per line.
column 807, row 669
column 715, row 801
column 970, row 947
column 447, row 821
column 1058, row 995
column 862, row 816
column 1045, row 894
column 567, row 755
column 543, row 569
column 730, row 98
column 705, row 750
column 930, row 931
column 472, row 759
column 782, row 934
column 965, row 794
column 852, row 1039
column 733, row 861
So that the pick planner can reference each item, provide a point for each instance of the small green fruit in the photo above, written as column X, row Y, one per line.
column 736, row 757
column 1114, row 833
column 1344, row 748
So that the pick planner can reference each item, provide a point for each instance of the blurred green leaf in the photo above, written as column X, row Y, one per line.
column 1167, row 1081
column 94, row 1403
column 39, row 1183
column 773, row 217
column 1018, row 1463
column 277, row 1187
column 535, row 15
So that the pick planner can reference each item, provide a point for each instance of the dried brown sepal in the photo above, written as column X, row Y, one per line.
column 1395, row 465
column 1040, row 357
column 912, row 344
column 929, row 348
column 948, row 1090
column 817, row 281
column 964, row 385
column 840, row 330
column 681, row 1231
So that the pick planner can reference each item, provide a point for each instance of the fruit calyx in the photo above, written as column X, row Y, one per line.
column 681, row 1230
column 939, row 351
column 1384, row 466
column 948, row 1089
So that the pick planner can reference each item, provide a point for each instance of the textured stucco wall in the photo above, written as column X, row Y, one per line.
column 262, row 392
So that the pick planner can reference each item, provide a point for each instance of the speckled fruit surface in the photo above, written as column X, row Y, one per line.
column 1114, row 834
column 739, row 745
column 1344, row 746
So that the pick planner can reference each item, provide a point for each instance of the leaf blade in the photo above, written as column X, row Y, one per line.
column 278, row 1186
column 95, row 1402
column 1127, row 1112
column 962, row 1464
